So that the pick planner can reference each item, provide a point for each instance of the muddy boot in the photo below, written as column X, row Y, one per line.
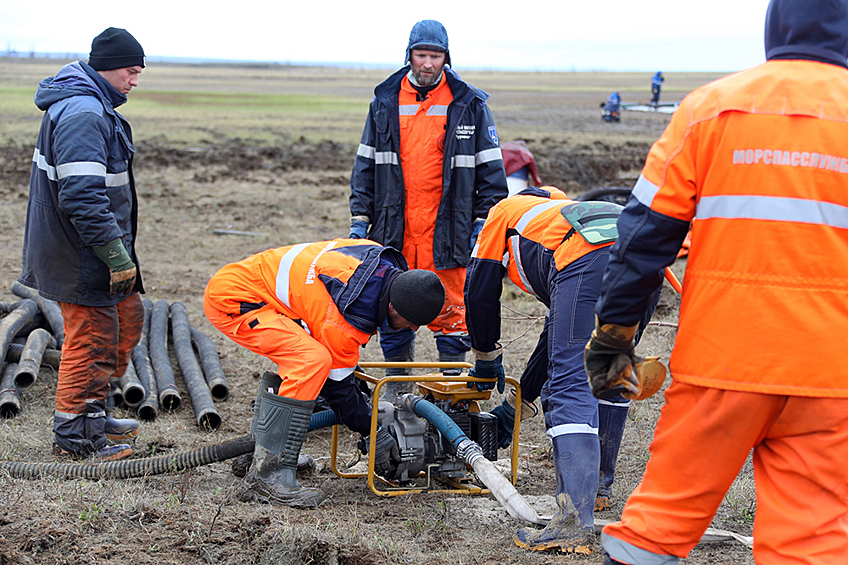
column 281, row 425
column 572, row 528
column 269, row 382
column 83, row 436
column 390, row 391
column 612, row 419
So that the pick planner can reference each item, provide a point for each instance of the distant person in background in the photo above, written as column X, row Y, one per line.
column 656, row 87
column 758, row 158
column 80, row 237
column 612, row 108
column 427, row 171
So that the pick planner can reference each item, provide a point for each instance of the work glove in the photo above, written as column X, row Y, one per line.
column 122, row 269
column 386, row 454
column 358, row 229
column 475, row 231
column 610, row 360
column 488, row 366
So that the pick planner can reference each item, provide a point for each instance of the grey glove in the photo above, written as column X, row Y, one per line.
column 386, row 454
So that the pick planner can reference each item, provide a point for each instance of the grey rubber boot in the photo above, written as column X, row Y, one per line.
column 269, row 382
column 572, row 528
column 452, row 358
column 390, row 391
column 281, row 425
column 612, row 419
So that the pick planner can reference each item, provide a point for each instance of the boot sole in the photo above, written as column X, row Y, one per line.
column 118, row 436
column 583, row 547
column 123, row 454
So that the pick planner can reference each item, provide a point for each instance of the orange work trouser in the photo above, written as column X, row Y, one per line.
column 98, row 343
column 702, row 440
column 451, row 320
column 303, row 363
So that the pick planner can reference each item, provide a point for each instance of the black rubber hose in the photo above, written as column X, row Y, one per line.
column 201, row 399
column 14, row 321
column 10, row 401
column 131, row 387
column 50, row 309
column 131, row 468
column 30, row 359
column 149, row 407
column 50, row 358
column 211, row 365
column 169, row 397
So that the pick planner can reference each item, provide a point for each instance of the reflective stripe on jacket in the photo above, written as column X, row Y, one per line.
column 315, row 283
column 527, row 237
column 473, row 177
column 759, row 159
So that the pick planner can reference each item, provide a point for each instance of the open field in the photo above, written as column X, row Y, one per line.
column 268, row 149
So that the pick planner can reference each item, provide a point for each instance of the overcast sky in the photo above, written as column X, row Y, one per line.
column 614, row 35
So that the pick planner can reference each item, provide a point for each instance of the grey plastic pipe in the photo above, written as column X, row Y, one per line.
column 50, row 308
column 210, row 363
column 201, row 399
column 149, row 407
column 14, row 321
column 10, row 400
column 169, row 396
column 30, row 360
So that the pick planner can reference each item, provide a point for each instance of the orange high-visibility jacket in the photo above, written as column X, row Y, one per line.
column 316, row 283
column 760, row 159
column 527, row 237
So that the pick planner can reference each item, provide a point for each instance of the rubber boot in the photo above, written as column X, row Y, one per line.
column 281, row 425
column 83, row 436
column 390, row 391
column 269, row 382
column 612, row 419
column 120, row 428
column 451, row 358
column 572, row 528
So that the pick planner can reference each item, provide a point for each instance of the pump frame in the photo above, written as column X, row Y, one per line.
column 462, row 486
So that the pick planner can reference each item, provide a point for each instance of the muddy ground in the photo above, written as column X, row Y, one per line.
column 287, row 193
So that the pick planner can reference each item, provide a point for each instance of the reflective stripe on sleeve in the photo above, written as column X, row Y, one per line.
column 283, row 273
column 645, row 190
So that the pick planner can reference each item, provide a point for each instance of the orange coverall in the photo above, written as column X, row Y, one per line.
column 759, row 159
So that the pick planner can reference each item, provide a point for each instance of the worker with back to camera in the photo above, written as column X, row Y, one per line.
column 80, row 238
column 656, row 87
column 427, row 171
column 758, row 159
column 309, row 308
column 555, row 249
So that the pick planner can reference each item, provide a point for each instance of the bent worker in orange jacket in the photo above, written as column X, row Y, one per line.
column 555, row 249
column 758, row 160
column 309, row 308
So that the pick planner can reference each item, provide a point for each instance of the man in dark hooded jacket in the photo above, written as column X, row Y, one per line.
column 759, row 159
column 80, row 236
column 427, row 170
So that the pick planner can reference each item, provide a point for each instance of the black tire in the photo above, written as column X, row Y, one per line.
column 614, row 194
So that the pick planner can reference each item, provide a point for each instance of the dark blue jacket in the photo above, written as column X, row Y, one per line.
column 473, row 176
column 649, row 241
column 82, row 191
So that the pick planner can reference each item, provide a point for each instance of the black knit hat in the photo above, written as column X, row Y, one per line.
column 115, row 48
column 418, row 296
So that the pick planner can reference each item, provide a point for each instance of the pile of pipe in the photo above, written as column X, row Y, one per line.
column 31, row 336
